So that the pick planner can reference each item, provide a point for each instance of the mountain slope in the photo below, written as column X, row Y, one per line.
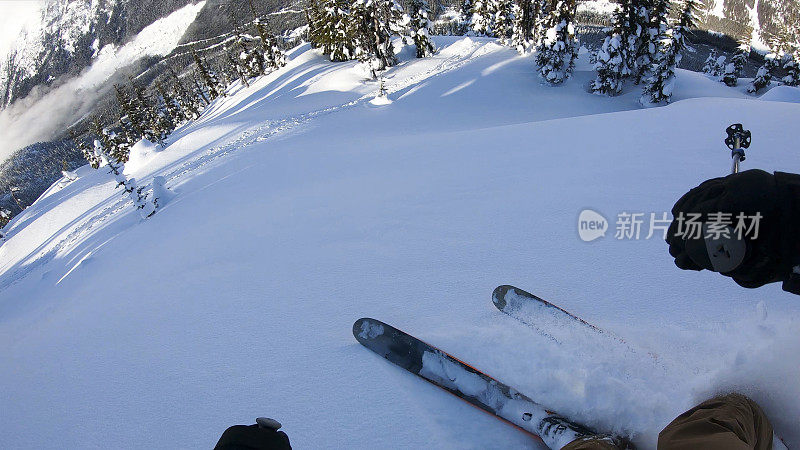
column 302, row 207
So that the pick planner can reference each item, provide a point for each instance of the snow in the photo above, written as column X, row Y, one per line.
column 298, row 210
column 598, row 6
column 782, row 94
column 18, row 17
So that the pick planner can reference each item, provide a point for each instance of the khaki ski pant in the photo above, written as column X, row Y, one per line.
column 730, row 422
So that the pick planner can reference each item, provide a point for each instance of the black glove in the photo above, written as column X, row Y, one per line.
column 262, row 436
column 772, row 254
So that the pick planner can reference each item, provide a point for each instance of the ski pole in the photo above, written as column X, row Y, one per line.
column 738, row 139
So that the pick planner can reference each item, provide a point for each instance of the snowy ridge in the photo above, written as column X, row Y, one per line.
column 301, row 207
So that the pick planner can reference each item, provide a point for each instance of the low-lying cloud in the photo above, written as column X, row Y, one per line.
column 46, row 112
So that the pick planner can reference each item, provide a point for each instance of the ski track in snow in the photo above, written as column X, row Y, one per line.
column 463, row 182
column 245, row 139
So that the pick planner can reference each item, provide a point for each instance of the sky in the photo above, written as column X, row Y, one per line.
column 14, row 14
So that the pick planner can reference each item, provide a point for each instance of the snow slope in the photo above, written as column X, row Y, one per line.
column 303, row 206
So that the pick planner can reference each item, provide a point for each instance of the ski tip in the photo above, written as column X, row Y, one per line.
column 499, row 296
column 365, row 329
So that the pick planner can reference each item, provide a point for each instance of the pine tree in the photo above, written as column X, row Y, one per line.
column 313, row 13
column 525, row 14
column 132, row 115
column 171, row 105
column 649, row 50
column 272, row 55
column 558, row 49
column 711, row 67
column 105, row 146
column 5, row 217
column 733, row 70
column 155, row 130
column 235, row 65
column 637, row 48
column 764, row 75
column 250, row 56
column 482, row 18
column 332, row 28
column 503, row 19
column 376, row 22
column 226, row 77
column 275, row 58
column 86, row 150
column 167, row 113
column 209, row 77
column 198, row 92
column 623, row 49
column 418, row 28
column 610, row 60
column 661, row 82
column 189, row 103
column 792, row 68
column 465, row 15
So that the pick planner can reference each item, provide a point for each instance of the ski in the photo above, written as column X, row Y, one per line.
column 539, row 314
column 555, row 322
column 469, row 384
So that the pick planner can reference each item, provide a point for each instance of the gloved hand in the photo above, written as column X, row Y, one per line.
column 262, row 436
column 773, row 253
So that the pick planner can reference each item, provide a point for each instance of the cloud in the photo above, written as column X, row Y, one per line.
column 47, row 112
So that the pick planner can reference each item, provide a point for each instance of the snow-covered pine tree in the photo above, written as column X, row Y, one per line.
column 660, row 84
column 733, row 70
column 558, row 49
column 189, row 103
column 251, row 57
column 132, row 115
column 465, row 15
column 482, row 18
column 638, row 49
column 503, row 19
column 652, row 38
column 273, row 56
column 624, row 49
column 172, row 105
column 764, row 75
column 610, row 67
column 313, row 13
column 419, row 27
column 710, row 67
column 5, row 217
column 377, row 21
column 526, row 13
column 235, row 66
column 198, row 92
column 86, row 150
column 792, row 68
column 168, row 113
column 611, row 61
column 155, row 130
column 332, row 28
column 213, row 86
column 105, row 146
